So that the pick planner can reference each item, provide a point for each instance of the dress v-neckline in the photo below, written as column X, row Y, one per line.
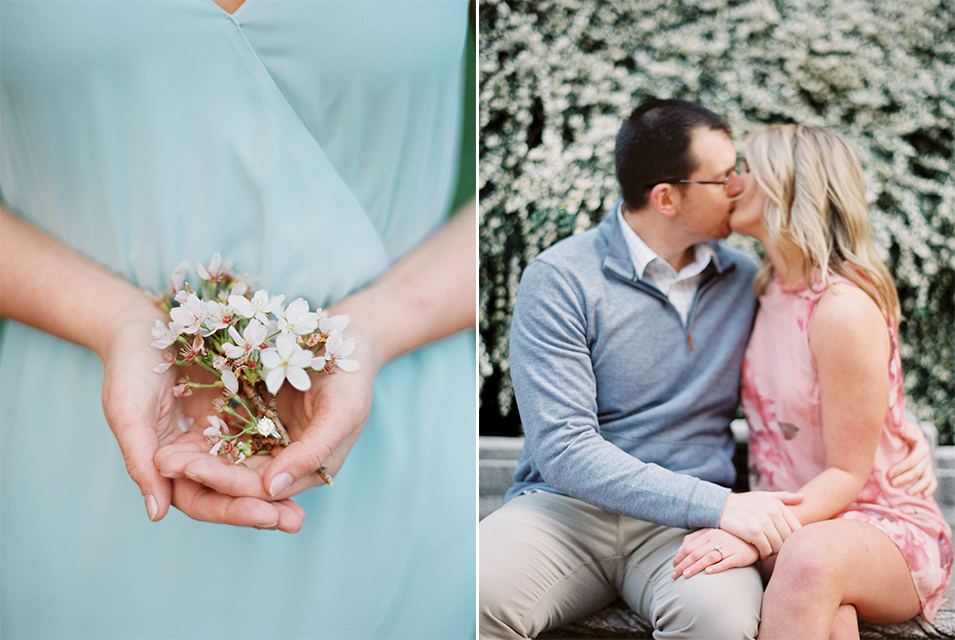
column 235, row 8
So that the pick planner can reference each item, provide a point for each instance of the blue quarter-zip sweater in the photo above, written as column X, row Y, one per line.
column 622, row 405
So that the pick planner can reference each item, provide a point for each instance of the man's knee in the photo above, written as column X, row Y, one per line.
column 723, row 605
column 496, row 620
column 496, row 613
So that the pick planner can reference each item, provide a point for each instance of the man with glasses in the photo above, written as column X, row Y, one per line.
column 626, row 347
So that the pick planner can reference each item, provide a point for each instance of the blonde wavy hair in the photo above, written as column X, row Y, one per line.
column 815, row 201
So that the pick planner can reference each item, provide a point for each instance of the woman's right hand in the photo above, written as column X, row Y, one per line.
column 47, row 285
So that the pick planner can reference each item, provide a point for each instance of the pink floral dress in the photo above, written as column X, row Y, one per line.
column 780, row 391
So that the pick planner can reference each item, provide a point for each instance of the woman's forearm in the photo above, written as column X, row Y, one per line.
column 428, row 295
column 45, row 284
column 827, row 494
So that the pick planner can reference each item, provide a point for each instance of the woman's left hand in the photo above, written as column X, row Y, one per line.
column 915, row 471
column 712, row 550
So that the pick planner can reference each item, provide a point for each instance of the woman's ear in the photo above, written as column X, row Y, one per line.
column 665, row 198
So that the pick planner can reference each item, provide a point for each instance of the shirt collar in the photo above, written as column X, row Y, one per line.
column 642, row 255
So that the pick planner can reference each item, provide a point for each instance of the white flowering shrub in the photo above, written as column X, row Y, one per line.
column 557, row 77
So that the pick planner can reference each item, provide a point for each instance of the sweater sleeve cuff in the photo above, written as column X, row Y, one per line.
column 706, row 506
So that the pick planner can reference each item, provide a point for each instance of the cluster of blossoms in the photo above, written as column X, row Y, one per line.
column 253, row 343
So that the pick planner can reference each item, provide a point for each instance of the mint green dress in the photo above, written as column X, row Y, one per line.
column 315, row 143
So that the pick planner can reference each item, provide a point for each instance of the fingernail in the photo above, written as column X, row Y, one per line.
column 152, row 509
column 279, row 484
column 266, row 527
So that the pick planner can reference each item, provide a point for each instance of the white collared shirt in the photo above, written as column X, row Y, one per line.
column 679, row 288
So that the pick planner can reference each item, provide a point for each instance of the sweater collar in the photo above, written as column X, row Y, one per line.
column 618, row 258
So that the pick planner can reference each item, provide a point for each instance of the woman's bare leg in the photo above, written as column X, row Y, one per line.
column 845, row 626
column 828, row 564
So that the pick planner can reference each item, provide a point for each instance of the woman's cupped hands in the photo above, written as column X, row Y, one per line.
column 323, row 422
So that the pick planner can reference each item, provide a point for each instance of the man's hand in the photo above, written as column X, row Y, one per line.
column 761, row 518
column 915, row 471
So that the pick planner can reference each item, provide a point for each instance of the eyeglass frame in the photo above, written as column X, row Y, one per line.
column 720, row 182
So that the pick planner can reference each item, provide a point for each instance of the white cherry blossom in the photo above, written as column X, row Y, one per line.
column 217, row 426
column 220, row 316
column 297, row 319
column 226, row 374
column 185, row 423
column 165, row 334
column 216, row 268
column 336, row 351
column 286, row 361
column 179, row 276
column 190, row 315
column 162, row 368
column 328, row 324
column 259, row 307
column 249, row 342
column 230, row 382
column 244, row 338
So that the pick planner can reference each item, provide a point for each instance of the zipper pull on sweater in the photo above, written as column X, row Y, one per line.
column 689, row 339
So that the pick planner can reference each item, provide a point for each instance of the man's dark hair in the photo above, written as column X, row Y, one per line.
column 653, row 146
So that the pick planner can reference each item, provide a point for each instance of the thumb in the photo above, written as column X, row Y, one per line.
column 301, row 458
column 335, row 413
column 789, row 498
column 139, row 443
column 318, row 453
column 139, row 453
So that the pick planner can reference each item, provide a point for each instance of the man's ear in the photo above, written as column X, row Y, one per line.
column 665, row 198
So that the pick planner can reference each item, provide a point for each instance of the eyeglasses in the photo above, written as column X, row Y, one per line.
column 723, row 182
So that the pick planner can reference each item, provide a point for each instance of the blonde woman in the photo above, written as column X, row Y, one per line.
column 822, row 391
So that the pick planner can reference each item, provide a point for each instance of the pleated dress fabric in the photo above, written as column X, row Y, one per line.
column 315, row 143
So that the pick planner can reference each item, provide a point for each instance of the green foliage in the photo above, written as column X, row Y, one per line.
column 558, row 76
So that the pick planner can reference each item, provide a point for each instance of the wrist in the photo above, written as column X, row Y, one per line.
column 371, row 345
column 129, row 311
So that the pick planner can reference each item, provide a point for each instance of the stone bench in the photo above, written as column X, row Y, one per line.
column 498, row 457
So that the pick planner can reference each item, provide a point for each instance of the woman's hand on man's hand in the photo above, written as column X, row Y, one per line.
column 712, row 551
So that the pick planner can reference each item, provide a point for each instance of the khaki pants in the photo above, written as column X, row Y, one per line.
column 546, row 560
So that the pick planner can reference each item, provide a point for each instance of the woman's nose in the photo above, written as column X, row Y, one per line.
column 735, row 185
